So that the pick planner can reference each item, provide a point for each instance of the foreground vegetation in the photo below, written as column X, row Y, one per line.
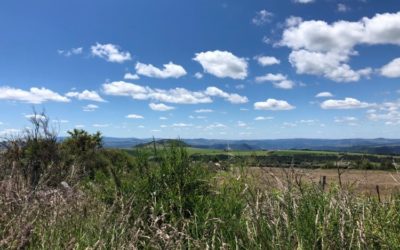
column 76, row 195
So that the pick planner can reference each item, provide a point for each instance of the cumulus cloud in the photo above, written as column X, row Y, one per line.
column 324, row 94
column 388, row 112
column 303, row 1
column 349, row 120
column 204, row 111
column 232, row 98
column 90, row 108
column 262, row 17
column 130, row 76
column 263, row 118
column 215, row 125
column 293, row 21
column 325, row 49
column 70, row 52
column 198, row 75
column 222, row 64
column 170, row 70
column 181, row 125
column 86, row 95
column 35, row 117
column 110, row 53
column 342, row 7
column 273, row 104
column 278, row 80
column 100, row 125
column 9, row 132
column 347, row 103
column 330, row 65
column 160, row 107
column 134, row 116
column 33, row 95
column 267, row 60
column 241, row 124
column 391, row 69
column 240, row 86
column 176, row 95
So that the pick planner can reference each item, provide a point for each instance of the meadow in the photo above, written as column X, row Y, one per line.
column 75, row 194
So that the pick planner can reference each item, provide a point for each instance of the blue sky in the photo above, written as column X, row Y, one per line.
column 210, row 68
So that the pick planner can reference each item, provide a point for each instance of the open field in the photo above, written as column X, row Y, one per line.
column 360, row 181
column 202, row 151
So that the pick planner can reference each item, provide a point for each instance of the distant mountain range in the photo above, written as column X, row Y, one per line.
column 374, row 146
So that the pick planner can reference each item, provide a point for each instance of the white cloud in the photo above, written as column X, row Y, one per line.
column 35, row 117
column 204, row 111
column 262, row 17
column 290, row 124
column 271, row 77
column 389, row 112
column 349, row 120
column 278, row 80
column 303, row 1
column 293, row 21
column 342, row 7
column 391, row 69
column 99, row 125
column 309, row 122
column 263, row 118
column 70, row 52
column 134, row 116
column 160, row 107
column 130, row 76
column 163, row 118
column 9, row 132
column 60, row 121
column 198, row 75
column 324, row 94
column 181, row 125
column 216, row 125
column 86, row 95
column 330, row 65
column 267, row 60
column 232, row 98
column 110, row 53
column 241, row 124
column 90, row 108
column 222, row 64
column 240, row 86
column 347, row 103
column 197, row 117
column 324, row 49
column 176, row 95
column 273, row 104
column 170, row 70
column 34, row 95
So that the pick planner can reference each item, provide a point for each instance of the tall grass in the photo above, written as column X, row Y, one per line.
column 160, row 199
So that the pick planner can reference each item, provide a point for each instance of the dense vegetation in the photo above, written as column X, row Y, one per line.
column 75, row 194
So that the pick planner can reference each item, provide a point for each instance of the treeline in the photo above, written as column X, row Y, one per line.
column 305, row 160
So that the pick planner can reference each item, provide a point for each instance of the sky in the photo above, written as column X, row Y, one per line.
column 260, row 69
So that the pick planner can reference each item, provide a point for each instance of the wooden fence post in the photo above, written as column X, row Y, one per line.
column 323, row 182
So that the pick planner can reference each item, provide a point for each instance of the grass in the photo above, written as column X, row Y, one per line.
column 162, row 199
